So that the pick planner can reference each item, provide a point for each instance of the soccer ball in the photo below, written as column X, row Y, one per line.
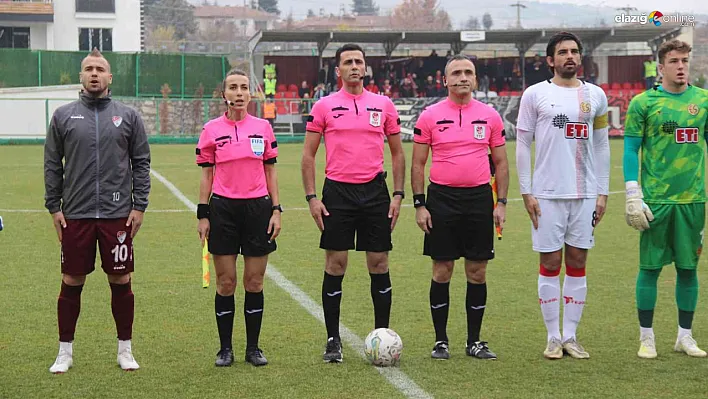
column 383, row 347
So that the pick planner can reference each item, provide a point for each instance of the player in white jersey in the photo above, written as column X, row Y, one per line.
column 568, row 196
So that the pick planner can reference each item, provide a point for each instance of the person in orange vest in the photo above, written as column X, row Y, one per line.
column 269, row 111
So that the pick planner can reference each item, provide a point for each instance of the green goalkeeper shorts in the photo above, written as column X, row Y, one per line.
column 675, row 236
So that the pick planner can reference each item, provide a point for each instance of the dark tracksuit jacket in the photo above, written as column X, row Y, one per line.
column 105, row 171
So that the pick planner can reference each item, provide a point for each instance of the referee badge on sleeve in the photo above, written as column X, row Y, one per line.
column 375, row 118
column 479, row 131
column 257, row 146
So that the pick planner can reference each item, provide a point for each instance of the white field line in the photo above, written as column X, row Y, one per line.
column 395, row 376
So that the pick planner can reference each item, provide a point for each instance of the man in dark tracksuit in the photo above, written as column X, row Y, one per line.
column 99, row 193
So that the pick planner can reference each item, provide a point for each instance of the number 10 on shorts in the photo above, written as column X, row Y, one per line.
column 120, row 253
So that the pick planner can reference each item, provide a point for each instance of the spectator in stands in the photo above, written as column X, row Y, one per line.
column 320, row 91
column 322, row 74
column 305, row 107
column 483, row 76
column 536, row 71
column 387, row 89
column 500, row 75
column 407, row 88
column 332, row 76
column 516, row 78
column 372, row 87
column 649, row 72
column 304, row 89
column 429, row 88
column 269, row 111
column 440, row 90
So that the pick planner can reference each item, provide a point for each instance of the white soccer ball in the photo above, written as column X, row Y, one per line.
column 383, row 347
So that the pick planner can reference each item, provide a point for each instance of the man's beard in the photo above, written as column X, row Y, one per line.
column 566, row 74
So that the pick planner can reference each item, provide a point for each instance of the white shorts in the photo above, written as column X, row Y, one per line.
column 569, row 221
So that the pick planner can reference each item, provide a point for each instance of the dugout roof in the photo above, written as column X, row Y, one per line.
column 522, row 38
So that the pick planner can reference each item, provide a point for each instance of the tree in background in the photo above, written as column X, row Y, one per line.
column 171, row 13
column 162, row 38
column 472, row 23
column 270, row 6
column 487, row 21
column 310, row 13
column 365, row 7
column 420, row 15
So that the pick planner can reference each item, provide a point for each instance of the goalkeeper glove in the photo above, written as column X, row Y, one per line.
column 636, row 212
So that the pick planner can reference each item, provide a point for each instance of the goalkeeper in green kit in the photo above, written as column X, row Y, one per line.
column 668, row 123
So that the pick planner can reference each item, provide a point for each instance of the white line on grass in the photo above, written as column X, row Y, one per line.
column 171, row 186
column 395, row 376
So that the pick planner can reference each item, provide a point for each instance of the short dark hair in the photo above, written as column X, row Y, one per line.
column 561, row 37
column 457, row 57
column 234, row 71
column 671, row 45
column 348, row 47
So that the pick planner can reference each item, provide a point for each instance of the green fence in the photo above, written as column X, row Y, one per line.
column 134, row 74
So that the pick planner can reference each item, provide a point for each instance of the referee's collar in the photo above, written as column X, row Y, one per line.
column 456, row 106
column 230, row 122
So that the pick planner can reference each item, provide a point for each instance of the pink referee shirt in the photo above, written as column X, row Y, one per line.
column 460, row 137
column 238, row 150
column 354, row 128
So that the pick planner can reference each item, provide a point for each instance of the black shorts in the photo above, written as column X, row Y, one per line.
column 463, row 223
column 357, row 208
column 240, row 226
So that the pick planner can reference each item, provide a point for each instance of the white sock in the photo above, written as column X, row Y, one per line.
column 682, row 332
column 123, row 345
column 647, row 332
column 67, row 347
column 575, row 290
column 549, row 298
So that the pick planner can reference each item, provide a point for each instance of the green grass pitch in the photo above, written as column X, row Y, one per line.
column 175, row 338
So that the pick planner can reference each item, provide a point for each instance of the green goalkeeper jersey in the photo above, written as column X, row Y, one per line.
column 672, row 128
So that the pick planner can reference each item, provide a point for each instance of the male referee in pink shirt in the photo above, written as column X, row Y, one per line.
column 355, row 198
column 459, row 216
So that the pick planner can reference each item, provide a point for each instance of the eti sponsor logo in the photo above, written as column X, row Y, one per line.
column 656, row 18
column 572, row 301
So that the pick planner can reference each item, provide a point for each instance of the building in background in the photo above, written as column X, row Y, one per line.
column 72, row 25
column 244, row 22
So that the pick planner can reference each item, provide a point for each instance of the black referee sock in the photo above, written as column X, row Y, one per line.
column 439, row 308
column 475, row 303
column 253, row 313
column 224, row 307
column 331, row 300
column 381, row 291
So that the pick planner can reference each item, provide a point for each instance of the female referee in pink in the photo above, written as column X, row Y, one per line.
column 238, row 210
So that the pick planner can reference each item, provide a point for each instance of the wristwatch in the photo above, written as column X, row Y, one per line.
column 277, row 208
column 401, row 193
column 501, row 201
column 308, row 197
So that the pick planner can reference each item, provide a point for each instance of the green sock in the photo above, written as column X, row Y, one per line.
column 646, row 295
column 686, row 295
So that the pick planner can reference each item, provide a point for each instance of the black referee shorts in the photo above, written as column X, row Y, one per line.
column 463, row 223
column 240, row 226
column 357, row 209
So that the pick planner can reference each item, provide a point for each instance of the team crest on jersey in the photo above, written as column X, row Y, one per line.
column 585, row 107
column 693, row 109
column 121, row 236
column 257, row 146
column 117, row 120
column 479, row 132
column 375, row 118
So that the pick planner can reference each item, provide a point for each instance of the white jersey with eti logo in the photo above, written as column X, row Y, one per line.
column 570, row 151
